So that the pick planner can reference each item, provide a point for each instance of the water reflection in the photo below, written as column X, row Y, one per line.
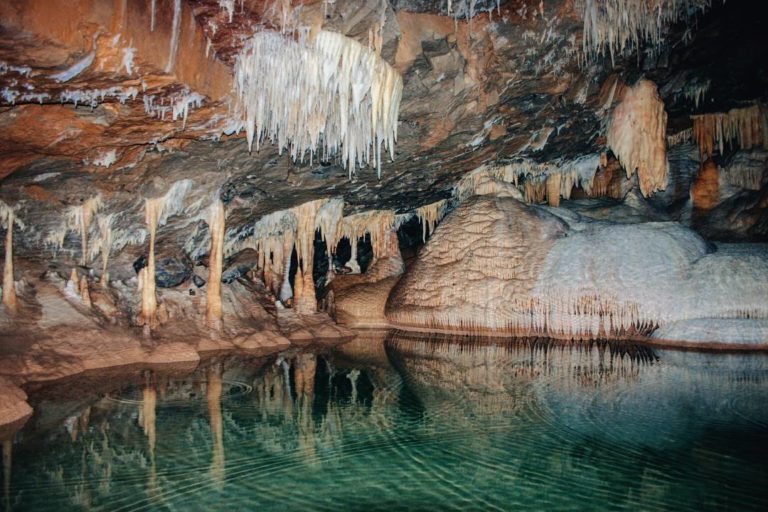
column 391, row 420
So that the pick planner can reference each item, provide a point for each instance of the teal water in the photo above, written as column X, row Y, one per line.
column 395, row 422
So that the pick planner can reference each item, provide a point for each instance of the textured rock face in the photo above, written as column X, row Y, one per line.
column 485, row 257
column 496, row 265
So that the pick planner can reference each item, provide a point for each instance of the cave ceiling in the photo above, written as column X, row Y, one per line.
column 503, row 82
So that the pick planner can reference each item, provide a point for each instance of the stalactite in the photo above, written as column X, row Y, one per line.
column 157, row 210
column 746, row 126
column 175, row 32
column 290, row 92
column 105, row 234
column 553, row 189
column 617, row 27
column 375, row 223
column 79, row 219
column 637, row 136
column 743, row 173
column 535, row 191
column 430, row 215
column 329, row 223
column 680, row 137
column 304, row 293
column 216, row 224
column 485, row 179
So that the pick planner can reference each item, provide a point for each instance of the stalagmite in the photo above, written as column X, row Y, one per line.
column 353, row 265
column 148, row 316
column 216, row 224
column 748, row 126
column 79, row 218
column 7, row 220
column 85, row 294
column 291, row 92
column 637, row 136
column 285, row 293
column 156, row 213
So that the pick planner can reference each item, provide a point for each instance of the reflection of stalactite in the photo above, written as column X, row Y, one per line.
column 352, row 376
column 213, row 395
column 304, row 370
column 7, row 465
column 148, row 421
column 306, row 430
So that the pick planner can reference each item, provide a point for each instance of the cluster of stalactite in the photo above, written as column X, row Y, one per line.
column 616, row 27
column 745, row 127
column 277, row 235
column 530, row 181
column 292, row 91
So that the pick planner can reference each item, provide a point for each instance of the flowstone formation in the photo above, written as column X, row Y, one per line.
column 185, row 176
column 528, row 271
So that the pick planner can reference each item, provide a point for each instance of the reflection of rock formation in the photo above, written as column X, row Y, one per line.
column 621, row 393
column 148, row 422
column 488, row 377
column 213, row 395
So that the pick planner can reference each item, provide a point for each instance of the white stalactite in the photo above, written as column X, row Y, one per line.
column 79, row 219
column 291, row 92
column 430, row 215
column 617, row 27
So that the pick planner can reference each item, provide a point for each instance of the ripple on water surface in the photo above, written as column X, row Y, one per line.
column 406, row 422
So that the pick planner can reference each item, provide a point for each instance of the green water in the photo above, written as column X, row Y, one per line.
column 393, row 422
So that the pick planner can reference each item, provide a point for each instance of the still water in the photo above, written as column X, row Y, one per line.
column 391, row 422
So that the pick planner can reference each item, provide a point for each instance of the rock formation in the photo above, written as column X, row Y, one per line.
column 191, row 175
